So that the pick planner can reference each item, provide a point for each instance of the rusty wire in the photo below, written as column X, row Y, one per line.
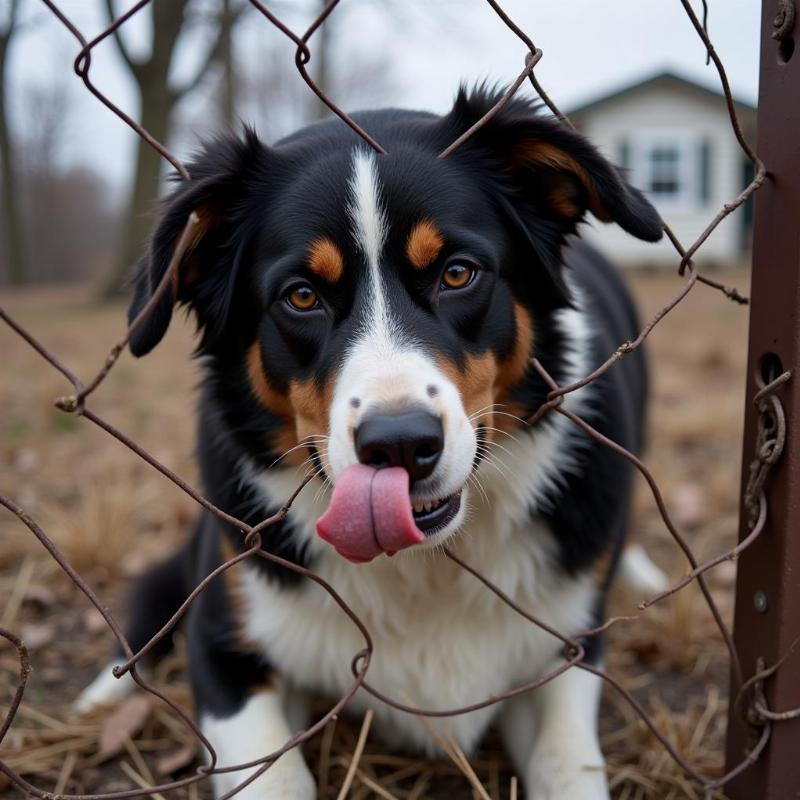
column 768, row 450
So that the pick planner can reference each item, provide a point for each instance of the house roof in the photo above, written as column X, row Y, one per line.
column 665, row 77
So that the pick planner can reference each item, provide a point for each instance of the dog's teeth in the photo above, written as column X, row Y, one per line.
column 425, row 506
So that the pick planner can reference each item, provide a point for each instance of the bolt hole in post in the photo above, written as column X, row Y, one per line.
column 770, row 367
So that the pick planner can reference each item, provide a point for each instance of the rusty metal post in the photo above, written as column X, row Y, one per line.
column 767, row 621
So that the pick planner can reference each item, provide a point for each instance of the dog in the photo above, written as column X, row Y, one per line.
column 371, row 319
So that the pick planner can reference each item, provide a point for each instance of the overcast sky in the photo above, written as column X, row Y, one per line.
column 590, row 47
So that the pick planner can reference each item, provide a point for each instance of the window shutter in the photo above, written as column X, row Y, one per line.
column 705, row 170
column 624, row 153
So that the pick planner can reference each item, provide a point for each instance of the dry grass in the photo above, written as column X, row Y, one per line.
column 111, row 515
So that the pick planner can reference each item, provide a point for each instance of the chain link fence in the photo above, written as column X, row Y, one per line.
column 751, row 703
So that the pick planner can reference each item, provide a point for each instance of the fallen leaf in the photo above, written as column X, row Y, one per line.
column 27, row 459
column 37, row 636
column 53, row 675
column 176, row 760
column 38, row 596
column 134, row 564
column 93, row 621
column 646, row 650
column 688, row 505
column 725, row 573
column 125, row 722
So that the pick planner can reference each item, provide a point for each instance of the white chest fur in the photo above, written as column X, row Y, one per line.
column 441, row 639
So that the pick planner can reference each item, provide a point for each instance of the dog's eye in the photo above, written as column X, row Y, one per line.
column 302, row 297
column 457, row 275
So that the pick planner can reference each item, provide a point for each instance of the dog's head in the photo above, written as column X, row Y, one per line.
column 373, row 312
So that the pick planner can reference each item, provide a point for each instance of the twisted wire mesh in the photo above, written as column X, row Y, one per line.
column 751, row 701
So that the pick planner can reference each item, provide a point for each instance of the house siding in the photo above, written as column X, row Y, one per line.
column 615, row 126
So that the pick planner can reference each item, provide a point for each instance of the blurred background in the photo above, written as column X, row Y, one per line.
column 76, row 200
column 78, row 185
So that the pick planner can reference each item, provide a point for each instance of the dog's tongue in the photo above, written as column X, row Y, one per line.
column 369, row 513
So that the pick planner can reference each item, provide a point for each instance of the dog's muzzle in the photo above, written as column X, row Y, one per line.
column 371, row 510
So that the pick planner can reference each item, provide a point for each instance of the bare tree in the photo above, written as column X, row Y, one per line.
column 71, row 223
column 275, row 98
column 229, row 78
column 325, row 36
column 15, row 247
column 69, row 218
column 158, row 96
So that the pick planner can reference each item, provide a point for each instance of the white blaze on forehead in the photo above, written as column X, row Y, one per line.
column 366, row 213
column 385, row 366
column 369, row 230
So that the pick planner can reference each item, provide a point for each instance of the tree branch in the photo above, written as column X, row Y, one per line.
column 133, row 65
column 8, row 32
column 12, row 15
column 225, row 25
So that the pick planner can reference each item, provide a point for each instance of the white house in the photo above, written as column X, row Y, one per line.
column 675, row 139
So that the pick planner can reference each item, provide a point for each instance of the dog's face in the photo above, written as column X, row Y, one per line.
column 373, row 313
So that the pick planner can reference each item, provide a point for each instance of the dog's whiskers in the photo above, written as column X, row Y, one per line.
column 491, row 459
column 485, row 413
column 499, row 430
column 490, row 443
column 325, row 484
column 472, row 479
column 485, row 410
column 306, row 441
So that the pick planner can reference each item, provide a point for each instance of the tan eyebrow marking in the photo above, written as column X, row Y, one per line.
column 424, row 244
column 551, row 156
column 325, row 259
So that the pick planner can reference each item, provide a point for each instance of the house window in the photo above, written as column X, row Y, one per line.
column 671, row 167
column 665, row 171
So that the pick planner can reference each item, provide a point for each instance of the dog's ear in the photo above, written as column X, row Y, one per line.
column 555, row 165
column 551, row 176
column 217, row 192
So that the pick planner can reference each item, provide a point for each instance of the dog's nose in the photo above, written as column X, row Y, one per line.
column 412, row 439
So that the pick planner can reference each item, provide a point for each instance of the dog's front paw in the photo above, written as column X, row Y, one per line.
column 288, row 779
column 567, row 774
column 297, row 786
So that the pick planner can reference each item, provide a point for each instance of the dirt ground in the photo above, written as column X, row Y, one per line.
column 111, row 515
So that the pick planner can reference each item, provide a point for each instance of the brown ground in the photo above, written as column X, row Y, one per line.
column 111, row 514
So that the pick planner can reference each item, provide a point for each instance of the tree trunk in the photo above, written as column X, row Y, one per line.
column 227, row 104
column 144, row 192
column 10, row 199
column 158, row 100
column 321, row 45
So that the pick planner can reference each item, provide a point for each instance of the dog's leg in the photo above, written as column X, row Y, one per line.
column 551, row 736
column 241, row 704
column 105, row 689
column 258, row 727
column 155, row 597
column 638, row 572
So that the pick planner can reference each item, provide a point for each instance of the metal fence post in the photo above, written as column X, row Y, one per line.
column 767, row 617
